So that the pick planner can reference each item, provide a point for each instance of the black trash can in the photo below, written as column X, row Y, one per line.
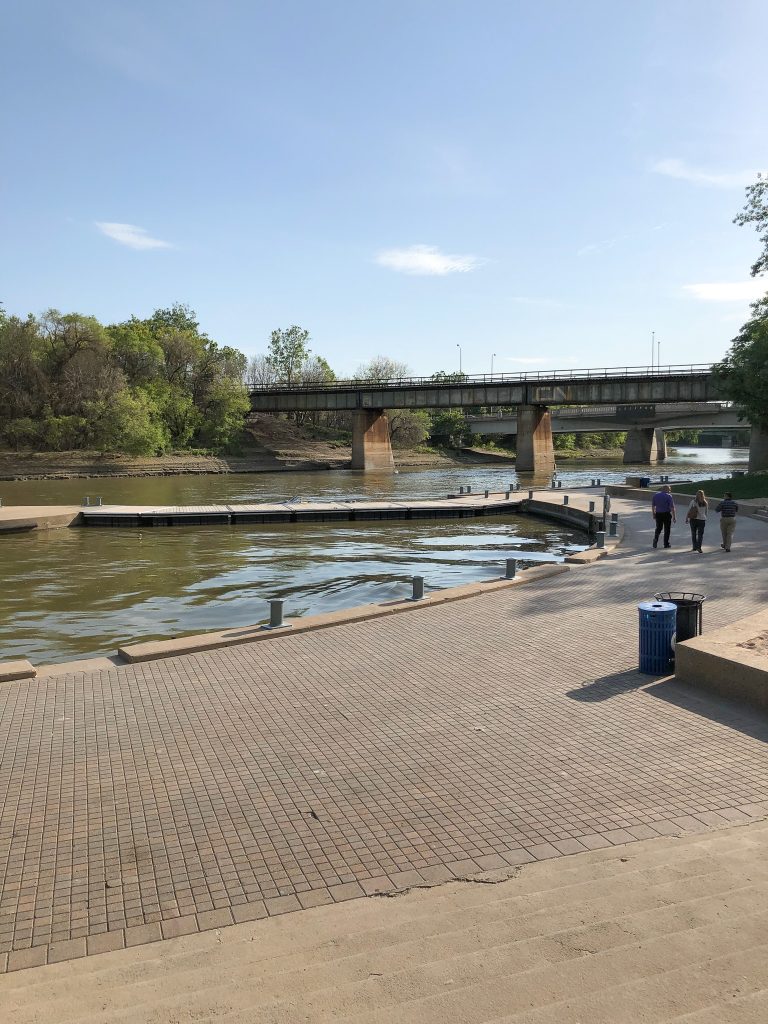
column 690, row 617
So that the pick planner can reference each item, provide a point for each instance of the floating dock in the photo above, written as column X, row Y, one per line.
column 450, row 507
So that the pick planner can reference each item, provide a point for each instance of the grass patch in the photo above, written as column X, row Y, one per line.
column 751, row 485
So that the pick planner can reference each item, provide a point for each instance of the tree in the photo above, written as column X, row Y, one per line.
column 743, row 374
column 288, row 352
column 449, row 428
column 756, row 212
column 260, row 372
column 380, row 370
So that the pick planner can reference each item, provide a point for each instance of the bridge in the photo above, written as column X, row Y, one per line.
column 637, row 420
column 533, row 393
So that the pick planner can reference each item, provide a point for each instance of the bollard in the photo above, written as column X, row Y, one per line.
column 511, row 569
column 506, row 496
column 486, row 494
column 418, row 588
column 593, row 482
column 591, row 506
column 469, row 490
column 512, row 487
column 99, row 501
column 598, row 481
column 565, row 499
column 600, row 539
column 461, row 490
column 559, row 483
column 613, row 528
column 530, row 495
column 1, row 502
column 86, row 500
column 276, row 615
column 614, row 517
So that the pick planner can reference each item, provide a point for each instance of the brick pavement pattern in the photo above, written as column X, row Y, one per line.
column 158, row 799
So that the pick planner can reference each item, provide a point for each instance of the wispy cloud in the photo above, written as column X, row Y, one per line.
column 673, row 168
column 427, row 259
column 727, row 291
column 596, row 247
column 131, row 235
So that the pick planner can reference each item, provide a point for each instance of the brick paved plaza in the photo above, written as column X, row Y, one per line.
column 158, row 799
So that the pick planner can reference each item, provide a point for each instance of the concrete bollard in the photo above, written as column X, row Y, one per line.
column 600, row 538
column 511, row 570
column 613, row 528
column 417, row 584
column 276, row 615
column 565, row 499
column 86, row 501
column 591, row 506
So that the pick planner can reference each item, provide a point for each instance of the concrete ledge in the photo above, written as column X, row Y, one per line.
column 732, row 662
column 10, row 670
column 37, row 517
column 152, row 650
column 66, row 668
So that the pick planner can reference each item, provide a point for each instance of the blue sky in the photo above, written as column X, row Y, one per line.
column 548, row 183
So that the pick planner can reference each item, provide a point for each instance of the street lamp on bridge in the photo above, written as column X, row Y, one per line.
column 493, row 356
column 458, row 346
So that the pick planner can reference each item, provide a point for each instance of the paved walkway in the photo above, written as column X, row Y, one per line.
column 158, row 799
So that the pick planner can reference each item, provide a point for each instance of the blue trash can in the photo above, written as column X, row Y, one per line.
column 657, row 630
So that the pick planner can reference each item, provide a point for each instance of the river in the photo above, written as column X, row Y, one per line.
column 73, row 593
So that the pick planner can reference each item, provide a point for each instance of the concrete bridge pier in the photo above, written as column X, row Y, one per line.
column 535, row 453
column 371, row 448
column 758, row 450
column 645, row 445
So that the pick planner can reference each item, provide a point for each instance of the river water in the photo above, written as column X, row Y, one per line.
column 69, row 594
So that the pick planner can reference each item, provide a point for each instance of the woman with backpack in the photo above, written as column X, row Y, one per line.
column 697, row 517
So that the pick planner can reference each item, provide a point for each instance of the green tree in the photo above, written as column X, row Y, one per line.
column 288, row 352
column 743, row 373
column 449, row 428
column 756, row 212
column 126, row 423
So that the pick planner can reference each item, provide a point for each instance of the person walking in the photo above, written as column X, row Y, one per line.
column 663, row 511
column 727, row 509
column 697, row 518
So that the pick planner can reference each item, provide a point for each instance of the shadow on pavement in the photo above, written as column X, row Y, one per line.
column 609, row 686
column 734, row 714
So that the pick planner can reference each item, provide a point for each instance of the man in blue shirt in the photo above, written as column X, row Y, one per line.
column 663, row 511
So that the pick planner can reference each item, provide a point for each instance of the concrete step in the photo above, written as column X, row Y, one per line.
column 584, row 929
column 453, row 908
column 500, row 935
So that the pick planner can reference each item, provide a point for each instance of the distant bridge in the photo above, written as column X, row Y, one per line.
column 533, row 393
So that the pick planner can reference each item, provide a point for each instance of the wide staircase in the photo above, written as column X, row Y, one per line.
column 666, row 930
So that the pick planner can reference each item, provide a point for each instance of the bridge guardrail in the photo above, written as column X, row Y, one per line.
column 541, row 376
